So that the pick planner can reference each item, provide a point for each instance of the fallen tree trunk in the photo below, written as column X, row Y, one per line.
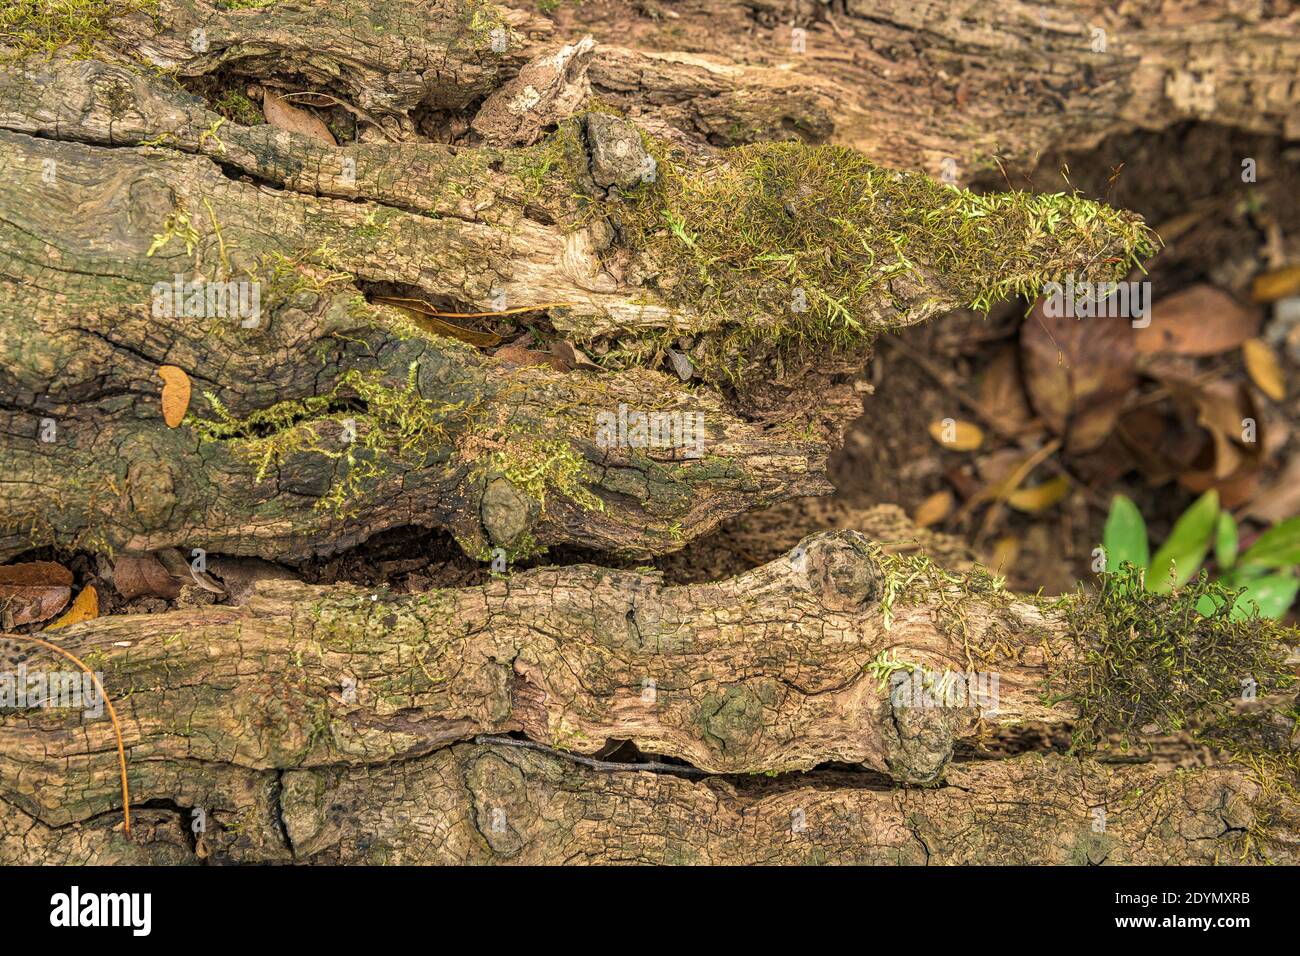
column 931, row 85
column 951, row 84
column 103, row 246
column 496, row 803
column 835, row 656
column 840, row 704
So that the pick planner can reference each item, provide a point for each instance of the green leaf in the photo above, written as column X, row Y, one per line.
column 1278, row 547
column 1273, row 596
column 1225, row 541
column 1125, row 537
column 1185, row 549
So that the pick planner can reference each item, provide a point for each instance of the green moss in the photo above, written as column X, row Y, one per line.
column 885, row 665
column 915, row 578
column 1144, row 660
column 45, row 26
column 238, row 108
column 541, row 466
column 791, row 244
column 395, row 428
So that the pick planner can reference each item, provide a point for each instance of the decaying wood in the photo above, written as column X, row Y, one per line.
column 95, row 230
column 916, row 84
column 911, row 84
column 494, row 724
column 338, row 725
column 503, row 804
column 82, row 347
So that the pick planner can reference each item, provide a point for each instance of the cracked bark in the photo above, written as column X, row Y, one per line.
column 348, row 725
column 241, row 712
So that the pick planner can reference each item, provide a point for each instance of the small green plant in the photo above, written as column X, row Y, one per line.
column 1147, row 661
column 1264, row 578
column 236, row 106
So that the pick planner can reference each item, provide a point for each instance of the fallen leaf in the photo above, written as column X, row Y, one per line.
column 934, row 508
column 518, row 355
column 33, row 592
column 1263, row 367
column 175, row 394
column 1002, row 394
column 84, row 608
column 1200, row 320
column 681, row 365
column 995, row 467
column 956, row 435
column 1279, row 500
column 136, row 575
column 426, row 317
column 572, row 356
column 1221, row 409
column 1040, row 497
column 282, row 115
column 1078, row 373
column 1005, row 552
column 1277, row 284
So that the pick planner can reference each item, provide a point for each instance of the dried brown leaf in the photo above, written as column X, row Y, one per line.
column 136, row 575
column 1200, row 320
column 285, row 116
column 1078, row 373
column 34, row 591
column 175, row 394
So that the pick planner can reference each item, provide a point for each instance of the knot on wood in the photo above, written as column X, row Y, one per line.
column 616, row 158
column 842, row 567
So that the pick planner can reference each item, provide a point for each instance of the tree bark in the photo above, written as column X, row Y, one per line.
column 569, row 179
column 309, row 702
column 93, row 232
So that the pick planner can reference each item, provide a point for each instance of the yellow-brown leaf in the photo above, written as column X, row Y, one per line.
column 1005, row 552
column 956, row 435
column 934, row 509
column 1263, row 367
column 84, row 608
column 1278, row 284
column 1040, row 497
column 175, row 394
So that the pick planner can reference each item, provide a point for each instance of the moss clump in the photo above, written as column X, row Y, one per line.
column 44, row 26
column 792, row 243
column 235, row 106
column 541, row 466
column 375, row 429
column 1145, row 660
